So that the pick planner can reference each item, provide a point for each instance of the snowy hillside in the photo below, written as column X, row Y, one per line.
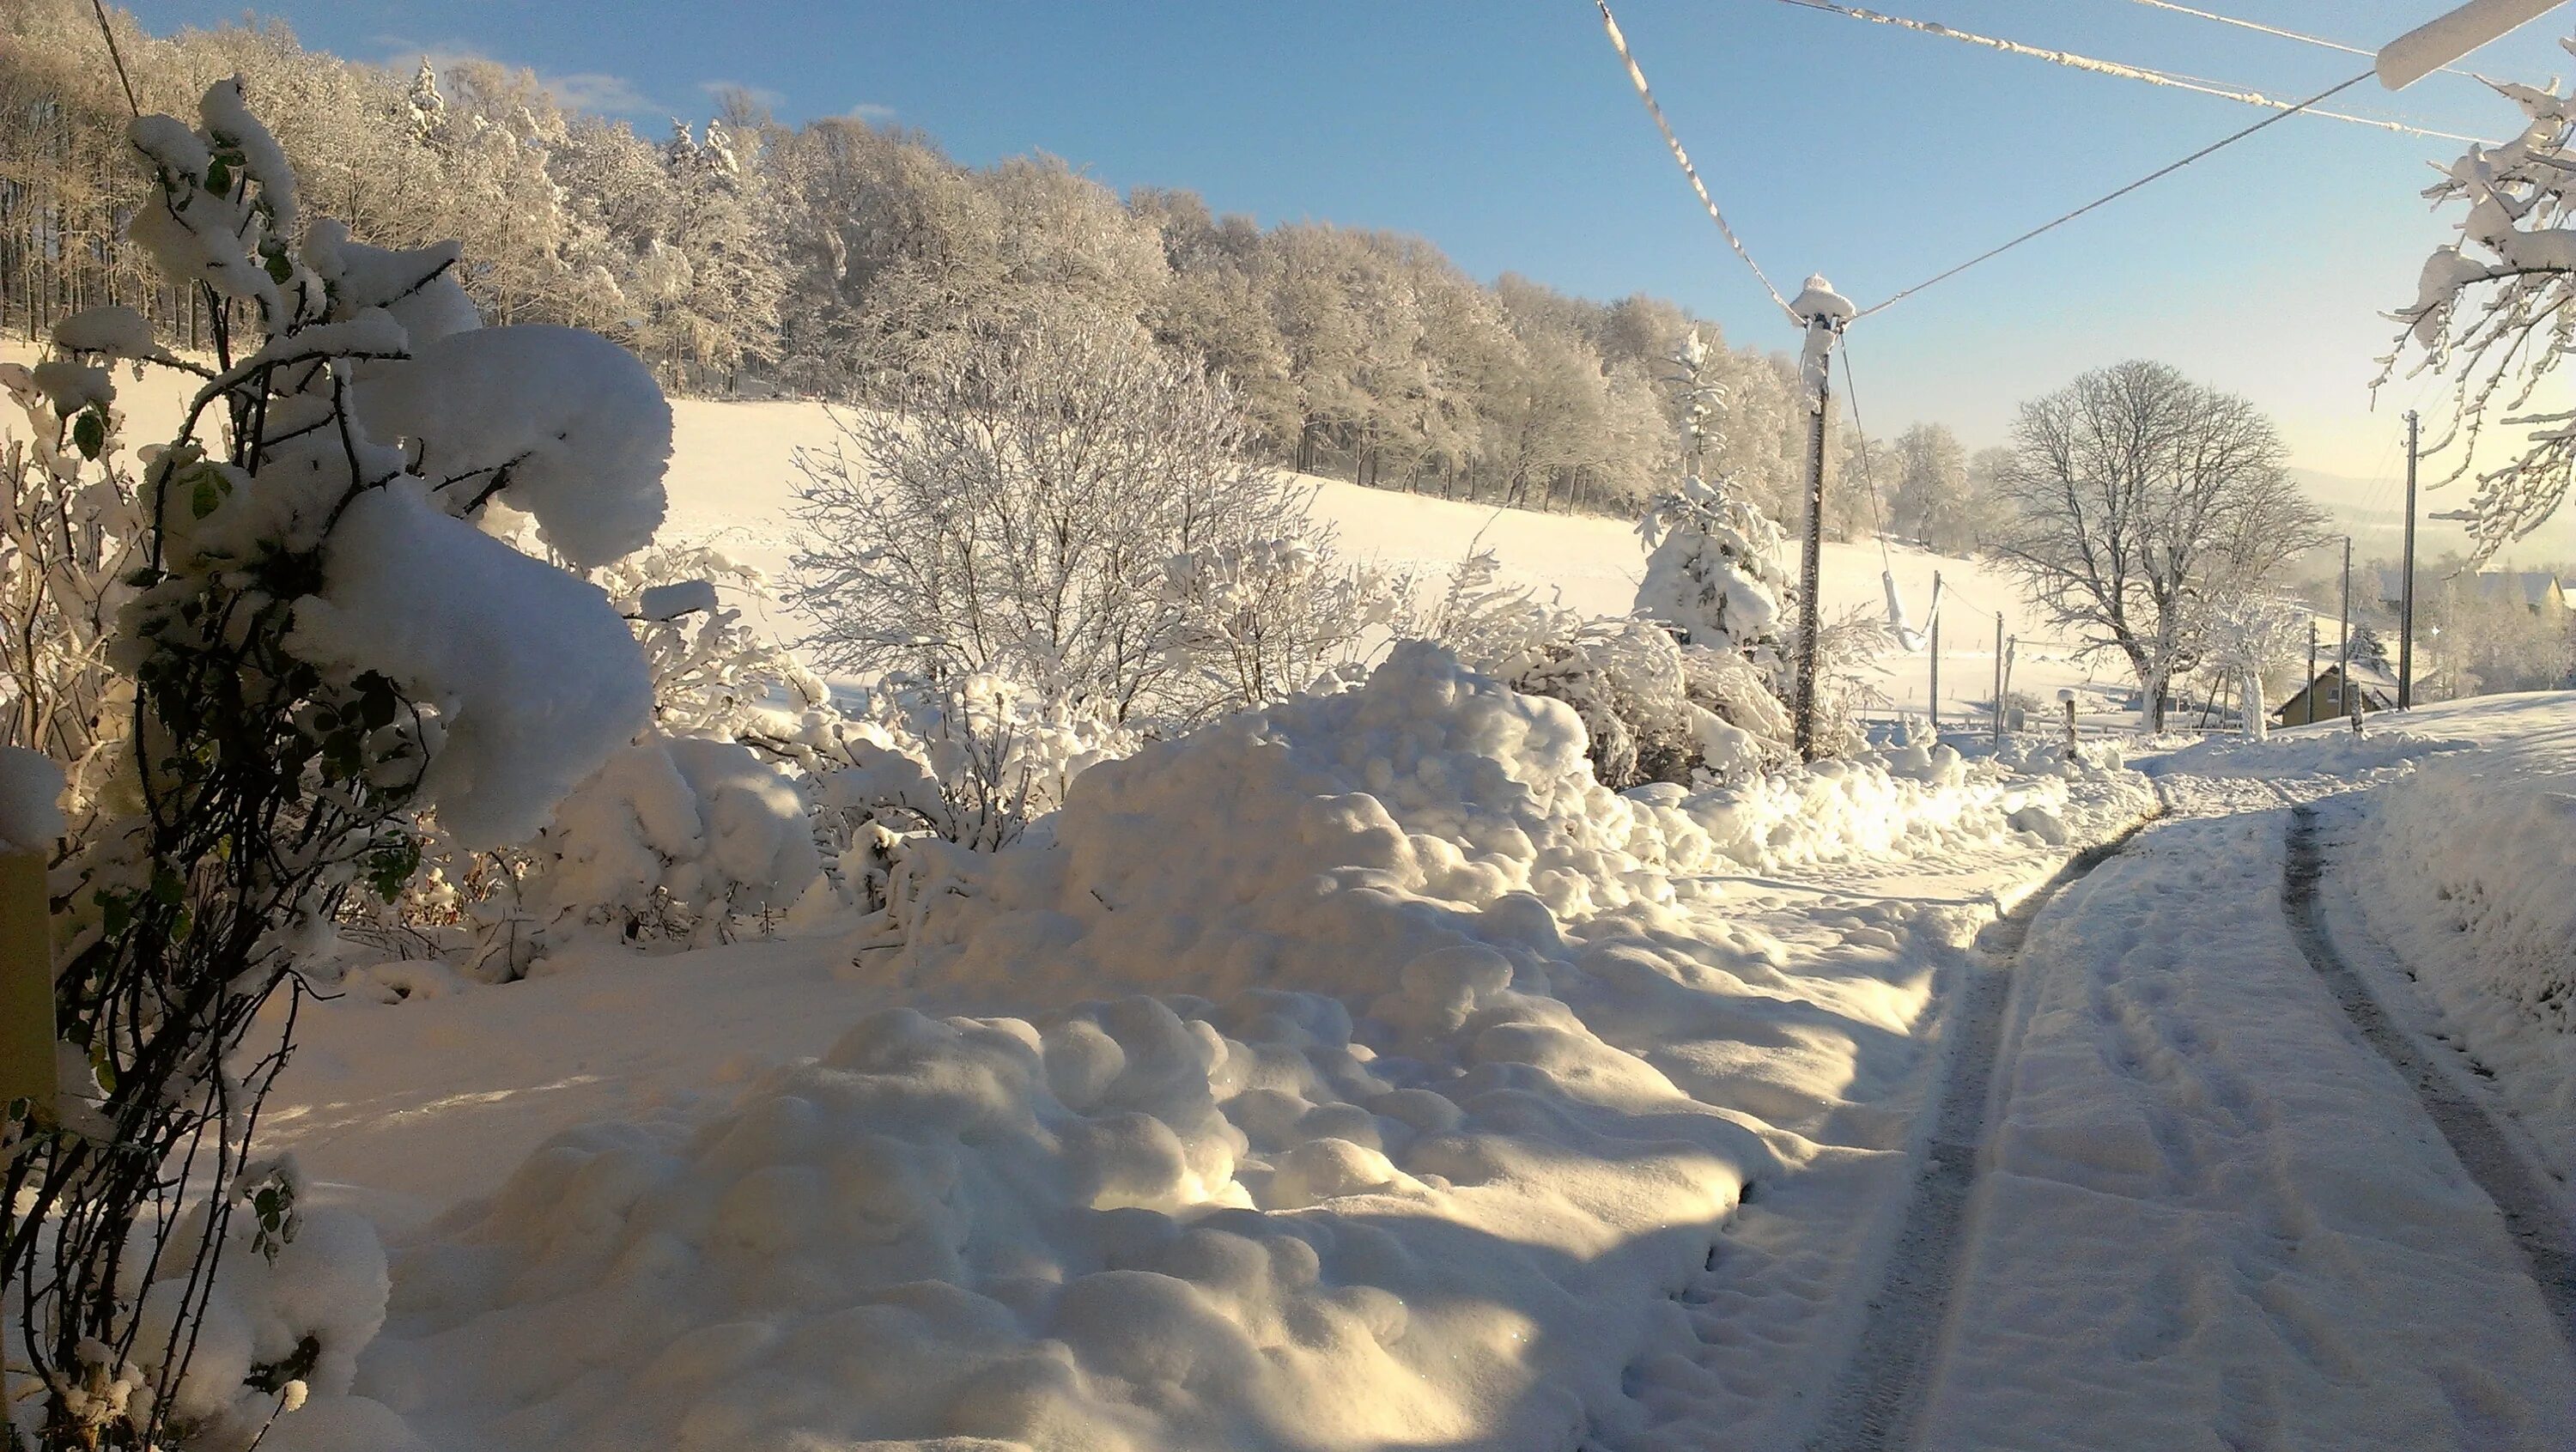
column 733, row 479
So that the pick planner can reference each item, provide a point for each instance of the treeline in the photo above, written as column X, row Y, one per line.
column 846, row 261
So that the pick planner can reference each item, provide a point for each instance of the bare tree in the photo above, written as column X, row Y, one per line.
column 2139, row 498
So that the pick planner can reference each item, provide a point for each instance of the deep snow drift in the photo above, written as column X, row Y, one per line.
column 2467, row 869
column 1436, row 1126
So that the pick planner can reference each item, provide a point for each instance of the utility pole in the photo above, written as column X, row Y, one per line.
column 1823, row 311
column 2406, row 586
column 2343, row 642
column 1999, row 678
column 2312, row 670
column 1936, row 655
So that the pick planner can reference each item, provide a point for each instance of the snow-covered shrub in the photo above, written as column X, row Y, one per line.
column 714, row 674
column 1258, row 620
column 1653, row 709
column 71, row 526
column 1714, row 571
column 1019, row 515
column 972, row 762
column 320, row 643
column 674, row 839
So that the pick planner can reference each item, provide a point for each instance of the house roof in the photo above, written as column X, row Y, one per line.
column 2532, row 587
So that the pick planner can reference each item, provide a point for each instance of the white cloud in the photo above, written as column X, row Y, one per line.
column 594, row 91
column 870, row 111
column 761, row 96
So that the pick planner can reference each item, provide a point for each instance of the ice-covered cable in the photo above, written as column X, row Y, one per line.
column 2106, row 199
column 1646, row 94
column 2298, row 35
column 2124, row 71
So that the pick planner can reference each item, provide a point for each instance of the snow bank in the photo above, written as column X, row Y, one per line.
column 1435, row 1113
column 2468, row 870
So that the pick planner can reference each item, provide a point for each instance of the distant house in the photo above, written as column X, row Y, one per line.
column 2323, row 700
column 2538, row 591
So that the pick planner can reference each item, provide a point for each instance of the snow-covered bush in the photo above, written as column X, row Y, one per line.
column 971, row 762
column 320, row 643
column 675, row 839
column 1019, row 516
column 1259, row 620
column 71, row 523
column 1650, row 707
column 714, row 674
column 1714, row 570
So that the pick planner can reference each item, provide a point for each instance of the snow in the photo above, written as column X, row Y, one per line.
column 2464, row 867
column 1438, row 1073
column 535, row 677
column 574, row 423
column 2209, row 1204
column 670, row 602
column 2446, row 38
column 115, row 330
column 417, row 287
column 31, row 787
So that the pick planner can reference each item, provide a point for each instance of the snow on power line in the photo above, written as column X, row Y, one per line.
column 2438, row 42
column 2125, row 71
column 2298, row 35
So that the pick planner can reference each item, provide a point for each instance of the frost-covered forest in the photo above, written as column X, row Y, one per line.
column 842, row 259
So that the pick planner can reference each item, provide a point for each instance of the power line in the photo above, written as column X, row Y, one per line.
column 2299, row 36
column 2157, row 175
column 2125, row 71
column 1646, row 94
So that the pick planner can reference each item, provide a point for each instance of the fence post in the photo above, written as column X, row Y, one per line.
column 26, row 985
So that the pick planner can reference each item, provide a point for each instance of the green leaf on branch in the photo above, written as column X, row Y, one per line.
column 89, row 432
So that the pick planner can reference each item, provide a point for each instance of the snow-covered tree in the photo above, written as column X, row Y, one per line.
column 2493, row 310
column 2249, row 636
column 1020, row 516
column 1930, row 498
column 319, row 644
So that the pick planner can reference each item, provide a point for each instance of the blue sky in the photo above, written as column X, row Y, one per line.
column 1506, row 133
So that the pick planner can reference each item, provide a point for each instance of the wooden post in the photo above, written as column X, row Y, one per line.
column 26, row 985
column 2312, row 670
column 1936, row 655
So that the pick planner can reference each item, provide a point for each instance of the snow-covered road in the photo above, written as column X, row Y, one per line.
column 2209, row 1213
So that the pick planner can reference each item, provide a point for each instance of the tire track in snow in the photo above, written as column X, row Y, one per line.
column 1875, row 1401
column 2531, row 1212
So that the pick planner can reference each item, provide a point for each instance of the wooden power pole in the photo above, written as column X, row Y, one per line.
column 1823, row 311
column 1936, row 655
column 2312, row 670
column 2343, row 641
column 2406, row 586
